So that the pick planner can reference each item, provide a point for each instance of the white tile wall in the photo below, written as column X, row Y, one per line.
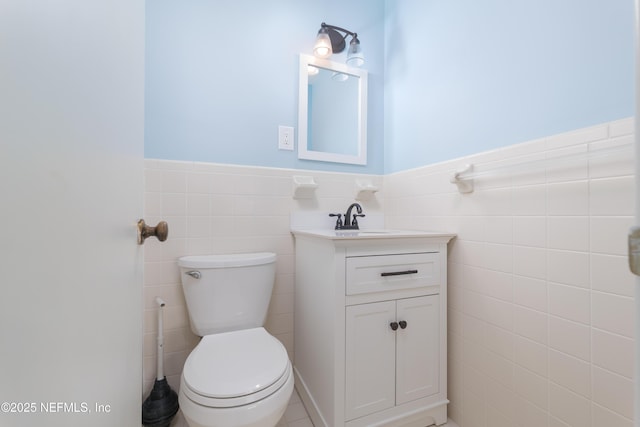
column 540, row 297
column 214, row 209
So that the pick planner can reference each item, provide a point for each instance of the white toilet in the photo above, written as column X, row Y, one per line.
column 238, row 375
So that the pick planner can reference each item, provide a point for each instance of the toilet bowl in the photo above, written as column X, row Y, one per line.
column 238, row 375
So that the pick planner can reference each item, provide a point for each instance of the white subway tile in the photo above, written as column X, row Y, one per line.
column 530, row 293
column 568, row 233
column 496, row 284
column 471, row 228
column 495, row 418
column 531, row 355
column 498, row 257
column 473, row 329
column 568, row 406
column 530, row 200
column 594, row 133
column 499, row 229
column 454, row 321
column 605, row 417
column 570, row 303
column 500, row 341
column 613, row 157
column 568, row 267
column 608, row 234
column 198, row 204
column 177, row 227
column 499, row 313
column 474, row 355
column 567, row 164
column 570, row 372
column 613, row 352
column 152, row 180
column 613, row 313
column 554, row 422
column 502, row 398
column 499, row 368
column 613, row 392
column 473, row 253
column 152, row 204
column 530, row 231
column 531, row 387
column 570, row 337
column 455, row 345
column 610, row 273
column 475, row 411
column 568, row 198
column 531, row 324
column 174, row 181
column 473, row 380
column 198, row 182
column 529, row 415
column 611, row 196
column 174, row 204
column 530, row 262
column 621, row 127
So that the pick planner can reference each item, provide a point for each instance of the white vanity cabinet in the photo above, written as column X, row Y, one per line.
column 370, row 328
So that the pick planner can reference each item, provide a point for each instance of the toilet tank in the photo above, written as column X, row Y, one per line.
column 227, row 292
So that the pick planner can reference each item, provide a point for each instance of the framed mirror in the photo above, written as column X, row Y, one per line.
column 332, row 112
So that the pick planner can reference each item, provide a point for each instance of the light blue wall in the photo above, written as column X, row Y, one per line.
column 221, row 75
column 464, row 76
column 448, row 78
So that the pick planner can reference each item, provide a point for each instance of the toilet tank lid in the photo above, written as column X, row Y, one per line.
column 227, row 260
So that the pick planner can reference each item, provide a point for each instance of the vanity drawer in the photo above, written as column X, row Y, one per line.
column 391, row 272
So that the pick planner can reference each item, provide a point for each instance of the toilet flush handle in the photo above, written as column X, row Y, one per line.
column 194, row 273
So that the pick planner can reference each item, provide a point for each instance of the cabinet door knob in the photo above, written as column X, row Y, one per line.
column 403, row 324
column 394, row 325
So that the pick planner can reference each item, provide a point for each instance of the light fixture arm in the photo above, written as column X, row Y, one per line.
column 338, row 40
column 333, row 27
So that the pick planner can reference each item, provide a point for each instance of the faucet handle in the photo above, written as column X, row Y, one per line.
column 338, row 221
column 355, row 219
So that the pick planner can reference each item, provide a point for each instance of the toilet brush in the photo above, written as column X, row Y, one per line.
column 162, row 404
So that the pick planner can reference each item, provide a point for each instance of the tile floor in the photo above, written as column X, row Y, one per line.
column 294, row 416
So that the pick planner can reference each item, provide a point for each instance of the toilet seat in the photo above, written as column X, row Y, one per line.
column 235, row 368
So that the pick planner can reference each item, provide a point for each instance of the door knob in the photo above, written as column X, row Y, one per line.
column 394, row 326
column 160, row 231
column 403, row 324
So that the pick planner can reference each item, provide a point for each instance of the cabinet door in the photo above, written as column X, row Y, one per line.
column 417, row 358
column 370, row 358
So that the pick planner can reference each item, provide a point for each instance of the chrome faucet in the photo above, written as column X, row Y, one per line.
column 349, row 223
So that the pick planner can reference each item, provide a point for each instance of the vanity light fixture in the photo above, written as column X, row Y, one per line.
column 330, row 41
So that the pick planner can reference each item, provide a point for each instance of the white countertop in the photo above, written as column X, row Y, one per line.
column 369, row 234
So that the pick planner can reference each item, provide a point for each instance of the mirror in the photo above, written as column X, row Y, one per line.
column 332, row 112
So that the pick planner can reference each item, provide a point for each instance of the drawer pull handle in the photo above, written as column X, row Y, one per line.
column 394, row 326
column 399, row 273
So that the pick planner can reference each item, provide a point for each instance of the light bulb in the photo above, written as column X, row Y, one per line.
column 322, row 48
column 355, row 57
